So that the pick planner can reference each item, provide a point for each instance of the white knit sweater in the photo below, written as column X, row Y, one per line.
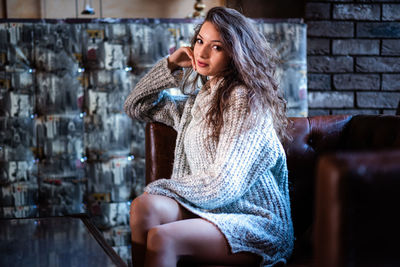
column 240, row 183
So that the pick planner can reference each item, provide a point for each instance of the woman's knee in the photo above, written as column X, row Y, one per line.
column 150, row 210
column 141, row 210
column 159, row 240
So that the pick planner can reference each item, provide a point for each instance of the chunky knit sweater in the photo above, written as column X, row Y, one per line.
column 239, row 183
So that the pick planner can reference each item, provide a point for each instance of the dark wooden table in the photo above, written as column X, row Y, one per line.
column 56, row 242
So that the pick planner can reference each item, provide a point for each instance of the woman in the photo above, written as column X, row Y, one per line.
column 227, row 201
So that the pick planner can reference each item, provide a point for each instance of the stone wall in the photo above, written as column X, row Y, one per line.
column 353, row 56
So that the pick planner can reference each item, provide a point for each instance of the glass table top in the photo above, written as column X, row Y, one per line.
column 55, row 242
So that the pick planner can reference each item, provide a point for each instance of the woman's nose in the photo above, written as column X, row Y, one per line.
column 204, row 53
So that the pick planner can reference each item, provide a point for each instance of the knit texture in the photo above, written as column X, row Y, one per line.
column 239, row 183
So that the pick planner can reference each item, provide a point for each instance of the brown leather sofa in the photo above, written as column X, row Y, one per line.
column 344, row 175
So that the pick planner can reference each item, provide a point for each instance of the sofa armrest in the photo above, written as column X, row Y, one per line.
column 160, row 146
column 357, row 198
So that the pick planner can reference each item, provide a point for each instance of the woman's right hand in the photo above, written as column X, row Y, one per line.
column 183, row 57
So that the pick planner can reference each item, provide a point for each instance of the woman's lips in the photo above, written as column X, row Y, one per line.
column 201, row 64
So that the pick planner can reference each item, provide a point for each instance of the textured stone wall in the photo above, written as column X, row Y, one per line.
column 353, row 56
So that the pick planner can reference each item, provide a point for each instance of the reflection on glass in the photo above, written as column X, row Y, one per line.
column 56, row 242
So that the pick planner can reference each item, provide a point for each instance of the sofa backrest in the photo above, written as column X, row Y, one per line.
column 372, row 132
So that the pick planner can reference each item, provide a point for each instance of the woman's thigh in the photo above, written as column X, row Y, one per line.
column 155, row 210
column 198, row 240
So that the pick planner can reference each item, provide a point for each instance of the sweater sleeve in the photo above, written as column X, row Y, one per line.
column 149, row 102
column 241, row 157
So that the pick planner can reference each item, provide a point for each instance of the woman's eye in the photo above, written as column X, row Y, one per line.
column 216, row 47
column 199, row 41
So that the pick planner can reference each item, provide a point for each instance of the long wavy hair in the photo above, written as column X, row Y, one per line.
column 252, row 64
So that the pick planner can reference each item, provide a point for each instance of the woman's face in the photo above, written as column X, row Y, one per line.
column 209, row 53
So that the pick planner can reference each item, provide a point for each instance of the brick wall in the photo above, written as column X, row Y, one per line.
column 353, row 56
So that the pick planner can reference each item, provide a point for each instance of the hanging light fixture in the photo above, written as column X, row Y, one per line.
column 199, row 6
column 87, row 8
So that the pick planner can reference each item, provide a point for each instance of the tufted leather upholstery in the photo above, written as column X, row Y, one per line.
column 323, row 152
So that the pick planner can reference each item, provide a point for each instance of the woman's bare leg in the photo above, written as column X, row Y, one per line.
column 195, row 239
column 148, row 211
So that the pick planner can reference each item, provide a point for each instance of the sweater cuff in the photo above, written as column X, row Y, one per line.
column 174, row 76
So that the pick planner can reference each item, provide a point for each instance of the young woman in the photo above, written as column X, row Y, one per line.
column 227, row 201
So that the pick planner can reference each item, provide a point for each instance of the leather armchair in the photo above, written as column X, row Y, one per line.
column 344, row 180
